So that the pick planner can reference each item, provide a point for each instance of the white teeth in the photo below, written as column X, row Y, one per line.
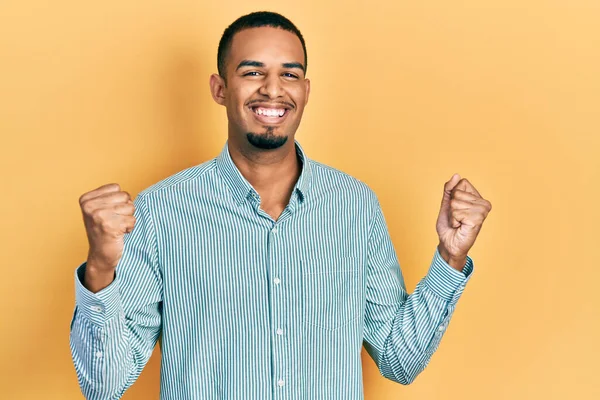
column 270, row 112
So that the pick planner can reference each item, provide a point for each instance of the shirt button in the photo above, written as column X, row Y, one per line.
column 277, row 281
column 280, row 382
column 98, row 354
column 441, row 328
column 96, row 308
column 280, row 331
column 274, row 230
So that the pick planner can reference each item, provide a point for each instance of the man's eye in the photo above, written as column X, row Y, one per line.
column 289, row 75
column 252, row 73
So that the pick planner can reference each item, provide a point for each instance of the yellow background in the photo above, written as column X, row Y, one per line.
column 403, row 95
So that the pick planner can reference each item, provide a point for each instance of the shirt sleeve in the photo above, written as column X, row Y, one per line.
column 114, row 331
column 403, row 331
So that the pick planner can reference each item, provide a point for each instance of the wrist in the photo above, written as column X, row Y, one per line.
column 95, row 279
column 456, row 262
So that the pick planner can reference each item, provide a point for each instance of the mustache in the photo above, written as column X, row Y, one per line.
column 285, row 103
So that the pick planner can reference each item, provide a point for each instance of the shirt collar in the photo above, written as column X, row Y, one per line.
column 242, row 189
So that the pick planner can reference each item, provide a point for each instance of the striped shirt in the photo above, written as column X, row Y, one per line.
column 252, row 308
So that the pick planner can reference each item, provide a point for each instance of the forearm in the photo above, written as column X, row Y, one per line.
column 408, row 341
column 414, row 336
column 100, row 358
column 108, row 354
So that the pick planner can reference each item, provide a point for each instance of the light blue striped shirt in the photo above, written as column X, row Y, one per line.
column 252, row 308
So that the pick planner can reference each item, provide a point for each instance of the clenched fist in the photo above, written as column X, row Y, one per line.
column 108, row 216
column 462, row 213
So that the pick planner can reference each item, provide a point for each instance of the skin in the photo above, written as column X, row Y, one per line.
column 461, row 216
column 264, row 66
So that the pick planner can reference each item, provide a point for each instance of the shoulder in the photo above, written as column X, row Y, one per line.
column 181, row 180
column 329, row 181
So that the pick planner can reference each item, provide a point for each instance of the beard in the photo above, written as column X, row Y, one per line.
column 267, row 140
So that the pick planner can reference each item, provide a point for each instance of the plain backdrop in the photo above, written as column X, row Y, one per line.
column 404, row 94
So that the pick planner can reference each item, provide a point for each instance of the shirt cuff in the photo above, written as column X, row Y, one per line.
column 96, row 307
column 445, row 281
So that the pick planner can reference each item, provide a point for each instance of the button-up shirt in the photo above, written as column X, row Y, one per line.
column 248, row 307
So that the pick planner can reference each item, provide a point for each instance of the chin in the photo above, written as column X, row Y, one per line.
column 266, row 140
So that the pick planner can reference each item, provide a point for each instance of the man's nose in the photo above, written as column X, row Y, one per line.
column 272, row 87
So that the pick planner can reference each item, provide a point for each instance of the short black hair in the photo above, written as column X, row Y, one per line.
column 254, row 20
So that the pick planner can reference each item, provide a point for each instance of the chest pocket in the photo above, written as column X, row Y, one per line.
column 331, row 292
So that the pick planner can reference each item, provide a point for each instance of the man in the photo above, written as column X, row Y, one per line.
column 263, row 271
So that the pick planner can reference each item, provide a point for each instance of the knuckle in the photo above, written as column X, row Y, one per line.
column 98, row 218
column 105, row 225
column 86, row 208
column 122, row 197
column 126, row 209
column 461, row 194
column 115, row 198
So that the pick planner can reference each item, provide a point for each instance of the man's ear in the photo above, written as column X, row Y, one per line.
column 218, row 88
column 307, row 84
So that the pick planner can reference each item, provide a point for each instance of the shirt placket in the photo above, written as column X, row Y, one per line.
column 279, row 316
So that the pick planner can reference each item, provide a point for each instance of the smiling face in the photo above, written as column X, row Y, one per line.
column 264, row 89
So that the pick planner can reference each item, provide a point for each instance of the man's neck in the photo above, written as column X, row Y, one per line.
column 272, row 173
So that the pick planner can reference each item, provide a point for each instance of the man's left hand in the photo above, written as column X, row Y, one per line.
column 462, row 213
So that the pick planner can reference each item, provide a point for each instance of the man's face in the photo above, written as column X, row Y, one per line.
column 266, row 89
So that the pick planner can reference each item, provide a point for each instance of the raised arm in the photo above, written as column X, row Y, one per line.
column 117, row 317
column 403, row 331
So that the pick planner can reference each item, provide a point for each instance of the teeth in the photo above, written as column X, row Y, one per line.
column 270, row 112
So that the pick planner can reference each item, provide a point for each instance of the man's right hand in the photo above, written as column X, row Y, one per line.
column 108, row 216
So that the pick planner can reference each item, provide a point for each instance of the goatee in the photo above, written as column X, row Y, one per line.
column 267, row 140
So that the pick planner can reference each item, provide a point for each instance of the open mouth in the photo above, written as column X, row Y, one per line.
column 269, row 115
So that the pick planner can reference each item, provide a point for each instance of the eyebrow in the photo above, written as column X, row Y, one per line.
column 293, row 65
column 251, row 63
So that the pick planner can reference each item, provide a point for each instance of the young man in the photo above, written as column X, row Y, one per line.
column 264, row 271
